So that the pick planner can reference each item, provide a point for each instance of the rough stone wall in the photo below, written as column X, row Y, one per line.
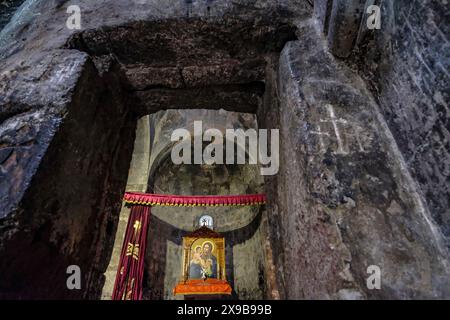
column 345, row 199
column 38, row 77
column 407, row 64
column 7, row 10
column 70, row 192
column 338, row 205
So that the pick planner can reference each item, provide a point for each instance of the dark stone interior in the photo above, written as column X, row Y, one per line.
column 199, row 64
column 7, row 10
column 81, row 195
column 190, row 63
column 376, row 194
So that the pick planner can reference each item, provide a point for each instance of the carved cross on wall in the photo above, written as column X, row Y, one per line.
column 321, row 134
column 334, row 121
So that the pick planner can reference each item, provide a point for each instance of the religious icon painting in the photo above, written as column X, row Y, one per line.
column 203, row 259
column 204, row 270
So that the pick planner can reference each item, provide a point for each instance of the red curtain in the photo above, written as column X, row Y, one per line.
column 129, row 278
column 175, row 200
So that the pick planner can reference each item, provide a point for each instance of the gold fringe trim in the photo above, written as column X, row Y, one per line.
column 193, row 205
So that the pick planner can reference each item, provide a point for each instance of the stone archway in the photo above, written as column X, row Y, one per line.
column 71, row 101
column 245, row 228
column 128, row 84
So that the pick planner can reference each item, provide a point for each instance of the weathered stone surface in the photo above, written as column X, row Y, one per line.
column 64, row 192
column 31, row 113
column 345, row 198
column 69, row 102
column 244, row 98
column 406, row 64
column 322, row 13
column 212, row 63
column 64, row 174
column 7, row 10
column 343, row 26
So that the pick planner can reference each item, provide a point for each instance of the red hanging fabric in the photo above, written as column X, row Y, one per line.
column 174, row 200
column 129, row 278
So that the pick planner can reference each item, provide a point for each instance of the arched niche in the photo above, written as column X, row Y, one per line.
column 244, row 233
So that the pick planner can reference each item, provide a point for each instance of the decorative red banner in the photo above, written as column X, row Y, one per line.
column 128, row 285
column 193, row 201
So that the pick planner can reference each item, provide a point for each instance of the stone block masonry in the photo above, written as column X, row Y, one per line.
column 363, row 172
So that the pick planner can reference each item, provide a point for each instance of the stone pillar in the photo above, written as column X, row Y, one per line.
column 346, row 200
column 322, row 12
column 137, row 181
column 344, row 22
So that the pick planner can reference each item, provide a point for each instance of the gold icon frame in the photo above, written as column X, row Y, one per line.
column 218, row 250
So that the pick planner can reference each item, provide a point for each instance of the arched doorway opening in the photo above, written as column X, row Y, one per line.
column 244, row 228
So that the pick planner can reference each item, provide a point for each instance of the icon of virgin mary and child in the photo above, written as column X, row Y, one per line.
column 203, row 264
